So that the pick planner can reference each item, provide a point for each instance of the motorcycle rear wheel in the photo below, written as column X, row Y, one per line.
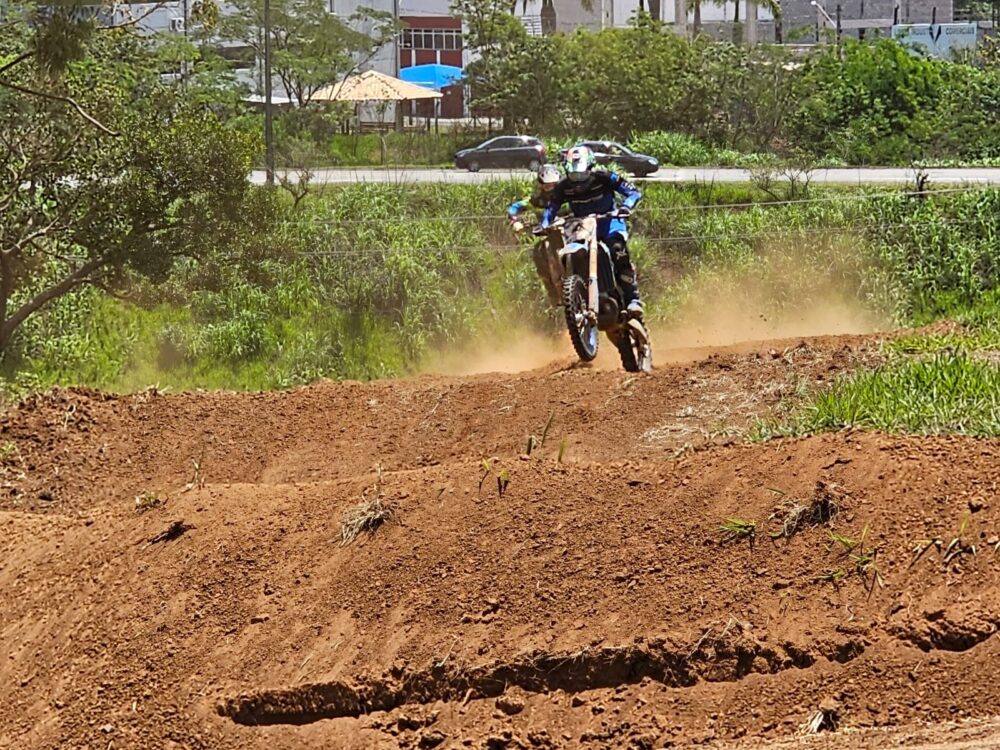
column 582, row 331
column 634, row 348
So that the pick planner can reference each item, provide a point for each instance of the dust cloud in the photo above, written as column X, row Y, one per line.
column 519, row 350
column 780, row 299
column 705, row 325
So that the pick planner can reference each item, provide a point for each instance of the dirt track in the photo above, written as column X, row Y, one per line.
column 591, row 604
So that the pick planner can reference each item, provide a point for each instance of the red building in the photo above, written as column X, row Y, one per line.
column 428, row 40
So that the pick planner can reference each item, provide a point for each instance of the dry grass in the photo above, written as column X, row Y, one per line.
column 369, row 514
column 795, row 515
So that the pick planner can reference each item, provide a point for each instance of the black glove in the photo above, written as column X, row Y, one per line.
column 539, row 230
column 624, row 212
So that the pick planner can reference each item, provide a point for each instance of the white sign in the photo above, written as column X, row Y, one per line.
column 938, row 39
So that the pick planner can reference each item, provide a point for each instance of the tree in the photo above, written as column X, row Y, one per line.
column 87, row 201
column 310, row 47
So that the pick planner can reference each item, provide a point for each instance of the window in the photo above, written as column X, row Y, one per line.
column 436, row 39
column 239, row 57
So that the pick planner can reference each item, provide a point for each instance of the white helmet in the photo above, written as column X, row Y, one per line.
column 579, row 162
column 549, row 175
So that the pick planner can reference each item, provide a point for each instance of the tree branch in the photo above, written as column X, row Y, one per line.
column 16, row 61
column 75, row 279
column 66, row 100
column 135, row 19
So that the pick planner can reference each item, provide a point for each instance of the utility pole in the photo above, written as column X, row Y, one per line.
column 268, row 112
column 397, row 106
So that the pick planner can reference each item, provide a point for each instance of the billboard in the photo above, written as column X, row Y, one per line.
column 945, row 40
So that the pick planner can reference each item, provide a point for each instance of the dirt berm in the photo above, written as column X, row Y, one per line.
column 580, row 596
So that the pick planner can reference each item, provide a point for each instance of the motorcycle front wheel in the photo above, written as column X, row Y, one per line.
column 582, row 330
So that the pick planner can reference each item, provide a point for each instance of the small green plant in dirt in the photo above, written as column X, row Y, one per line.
column 502, row 476
column 9, row 451
column 147, row 501
column 844, row 543
column 736, row 529
column 863, row 559
column 866, row 563
column 950, row 550
column 794, row 515
column 368, row 515
column 197, row 473
column 536, row 442
column 833, row 575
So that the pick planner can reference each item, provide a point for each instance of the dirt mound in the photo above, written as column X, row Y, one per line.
column 630, row 577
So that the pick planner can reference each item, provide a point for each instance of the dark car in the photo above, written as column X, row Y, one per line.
column 510, row 151
column 609, row 152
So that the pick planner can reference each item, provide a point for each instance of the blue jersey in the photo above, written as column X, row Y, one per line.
column 594, row 195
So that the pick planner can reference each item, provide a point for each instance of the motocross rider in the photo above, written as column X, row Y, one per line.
column 590, row 191
column 548, row 177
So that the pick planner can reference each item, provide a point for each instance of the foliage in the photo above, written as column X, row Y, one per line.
column 873, row 102
column 310, row 47
column 370, row 280
column 91, row 203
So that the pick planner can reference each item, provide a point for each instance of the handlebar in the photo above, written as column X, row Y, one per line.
column 560, row 221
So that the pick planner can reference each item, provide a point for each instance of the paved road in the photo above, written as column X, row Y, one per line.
column 847, row 176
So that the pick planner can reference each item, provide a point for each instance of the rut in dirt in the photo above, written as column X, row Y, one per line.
column 731, row 657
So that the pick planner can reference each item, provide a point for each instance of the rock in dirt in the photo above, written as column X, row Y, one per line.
column 510, row 704
column 432, row 739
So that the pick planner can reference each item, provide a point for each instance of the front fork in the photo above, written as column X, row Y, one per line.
column 592, row 290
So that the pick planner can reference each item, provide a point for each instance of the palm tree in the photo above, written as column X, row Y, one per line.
column 774, row 6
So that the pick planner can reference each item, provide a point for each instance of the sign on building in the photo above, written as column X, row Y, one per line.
column 945, row 40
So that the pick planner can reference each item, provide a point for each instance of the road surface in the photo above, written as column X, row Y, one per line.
column 844, row 176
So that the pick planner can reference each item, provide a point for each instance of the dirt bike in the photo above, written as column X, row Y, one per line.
column 582, row 267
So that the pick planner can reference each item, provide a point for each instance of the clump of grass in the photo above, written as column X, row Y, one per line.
column 734, row 529
column 147, row 501
column 795, row 515
column 368, row 515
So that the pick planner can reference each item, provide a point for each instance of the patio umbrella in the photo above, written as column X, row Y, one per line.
column 372, row 86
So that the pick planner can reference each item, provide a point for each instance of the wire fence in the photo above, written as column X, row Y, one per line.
column 657, row 210
column 849, row 229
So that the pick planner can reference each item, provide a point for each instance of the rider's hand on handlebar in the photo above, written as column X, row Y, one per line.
column 517, row 226
column 539, row 230
column 623, row 212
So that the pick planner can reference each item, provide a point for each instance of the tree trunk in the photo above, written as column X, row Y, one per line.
column 697, row 17
column 654, row 10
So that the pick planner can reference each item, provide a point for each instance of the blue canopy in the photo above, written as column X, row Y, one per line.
column 433, row 75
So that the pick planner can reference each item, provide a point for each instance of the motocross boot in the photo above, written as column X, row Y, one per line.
column 539, row 254
column 627, row 280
